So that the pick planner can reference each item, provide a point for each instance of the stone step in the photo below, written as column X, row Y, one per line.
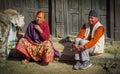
column 68, row 56
column 64, row 46
column 68, row 53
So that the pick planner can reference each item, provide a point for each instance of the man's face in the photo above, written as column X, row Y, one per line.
column 92, row 19
column 40, row 18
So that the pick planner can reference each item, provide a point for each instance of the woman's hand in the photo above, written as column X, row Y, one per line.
column 37, row 27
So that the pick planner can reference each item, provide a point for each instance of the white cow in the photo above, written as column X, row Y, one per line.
column 17, row 22
column 10, row 23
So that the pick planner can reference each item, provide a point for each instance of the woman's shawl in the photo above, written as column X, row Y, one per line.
column 32, row 33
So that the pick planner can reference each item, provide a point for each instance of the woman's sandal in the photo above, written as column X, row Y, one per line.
column 25, row 61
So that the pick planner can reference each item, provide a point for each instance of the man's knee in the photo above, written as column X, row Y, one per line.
column 77, row 41
column 83, row 41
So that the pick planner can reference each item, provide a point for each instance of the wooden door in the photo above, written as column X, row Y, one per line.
column 78, row 11
column 73, row 17
column 99, row 5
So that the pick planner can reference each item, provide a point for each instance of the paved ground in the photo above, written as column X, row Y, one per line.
column 15, row 67
column 107, row 63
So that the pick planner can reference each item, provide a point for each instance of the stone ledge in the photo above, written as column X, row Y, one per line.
column 68, row 54
column 98, row 59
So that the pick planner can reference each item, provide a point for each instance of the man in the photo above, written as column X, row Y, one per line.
column 89, row 41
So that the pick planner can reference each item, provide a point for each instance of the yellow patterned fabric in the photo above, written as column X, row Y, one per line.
column 37, row 51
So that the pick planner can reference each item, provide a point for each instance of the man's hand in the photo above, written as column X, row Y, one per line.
column 73, row 44
column 79, row 47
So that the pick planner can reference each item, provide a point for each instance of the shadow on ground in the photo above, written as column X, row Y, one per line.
column 67, row 53
column 15, row 55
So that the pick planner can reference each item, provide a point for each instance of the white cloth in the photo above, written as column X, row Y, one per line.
column 99, row 46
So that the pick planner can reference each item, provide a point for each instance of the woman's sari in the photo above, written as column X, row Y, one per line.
column 36, row 51
column 35, row 47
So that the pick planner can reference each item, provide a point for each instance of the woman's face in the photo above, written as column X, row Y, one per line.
column 92, row 20
column 40, row 18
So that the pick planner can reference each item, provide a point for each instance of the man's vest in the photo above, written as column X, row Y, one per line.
column 99, row 46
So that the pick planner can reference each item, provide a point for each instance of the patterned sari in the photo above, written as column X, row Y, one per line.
column 37, row 51
column 37, row 46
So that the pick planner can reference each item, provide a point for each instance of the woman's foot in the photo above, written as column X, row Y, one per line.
column 25, row 61
column 44, row 63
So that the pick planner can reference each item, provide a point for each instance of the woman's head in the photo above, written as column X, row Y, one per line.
column 40, row 17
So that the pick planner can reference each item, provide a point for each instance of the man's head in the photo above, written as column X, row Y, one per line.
column 93, row 17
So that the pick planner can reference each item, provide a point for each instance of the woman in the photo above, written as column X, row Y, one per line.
column 36, row 43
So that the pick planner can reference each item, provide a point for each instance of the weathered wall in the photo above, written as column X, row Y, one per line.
column 117, row 20
column 27, row 8
column 58, row 15
column 59, row 18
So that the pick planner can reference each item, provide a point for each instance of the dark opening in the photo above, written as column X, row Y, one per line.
column 50, row 15
column 108, row 19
